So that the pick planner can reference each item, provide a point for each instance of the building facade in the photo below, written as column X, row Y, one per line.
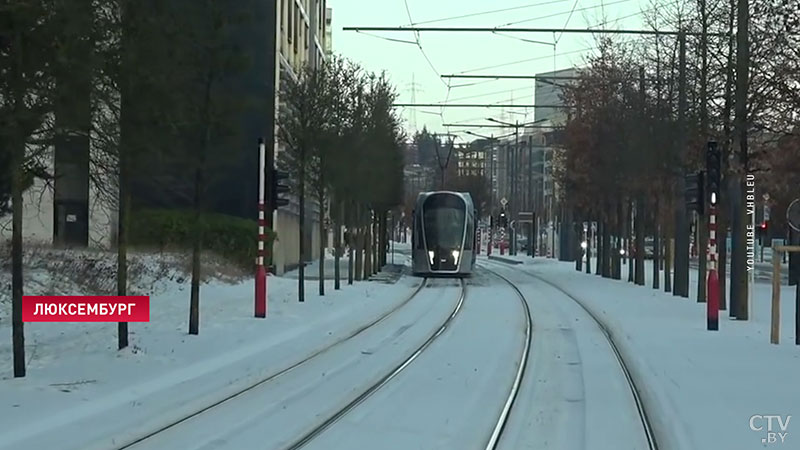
column 304, row 27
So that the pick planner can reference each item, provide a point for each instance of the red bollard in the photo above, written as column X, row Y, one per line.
column 712, row 300
column 261, row 292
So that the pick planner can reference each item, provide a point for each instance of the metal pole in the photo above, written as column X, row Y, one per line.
column 515, row 190
column 531, row 238
column 261, row 274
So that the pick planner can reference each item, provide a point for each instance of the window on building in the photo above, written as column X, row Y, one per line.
column 290, row 19
column 296, row 28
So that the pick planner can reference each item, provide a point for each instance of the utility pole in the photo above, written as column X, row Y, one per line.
column 681, row 252
column 531, row 230
column 515, row 188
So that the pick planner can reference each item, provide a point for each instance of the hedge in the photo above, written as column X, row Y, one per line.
column 233, row 238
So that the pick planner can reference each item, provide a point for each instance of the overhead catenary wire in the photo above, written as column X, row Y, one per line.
column 493, row 11
column 562, row 13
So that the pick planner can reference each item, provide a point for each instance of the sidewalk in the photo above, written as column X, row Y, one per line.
column 701, row 387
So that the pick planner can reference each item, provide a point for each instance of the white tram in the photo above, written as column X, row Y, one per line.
column 444, row 237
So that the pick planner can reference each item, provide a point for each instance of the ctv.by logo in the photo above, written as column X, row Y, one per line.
column 782, row 422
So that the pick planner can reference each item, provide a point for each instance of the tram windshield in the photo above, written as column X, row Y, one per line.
column 444, row 222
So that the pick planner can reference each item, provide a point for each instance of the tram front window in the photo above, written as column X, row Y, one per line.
column 443, row 221
column 444, row 228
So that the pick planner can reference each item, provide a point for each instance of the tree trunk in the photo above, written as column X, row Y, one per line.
column 702, row 260
column 197, row 239
column 600, row 249
column 374, row 243
column 668, row 243
column 368, row 250
column 589, row 245
column 123, row 216
column 657, row 255
column 359, row 250
column 18, row 327
column 639, row 229
column 620, row 226
column 628, row 235
column 607, row 250
column 322, row 237
column 578, row 249
column 337, row 244
column 301, row 274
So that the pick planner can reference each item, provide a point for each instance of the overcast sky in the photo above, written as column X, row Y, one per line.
column 474, row 53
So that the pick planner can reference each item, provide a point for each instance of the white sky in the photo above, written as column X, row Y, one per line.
column 452, row 53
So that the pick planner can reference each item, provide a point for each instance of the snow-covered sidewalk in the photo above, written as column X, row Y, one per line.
column 75, row 372
column 701, row 387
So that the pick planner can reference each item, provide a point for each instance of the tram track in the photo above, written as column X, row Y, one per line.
column 644, row 418
column 502, row 420
column 498, row 425
column 372, row 389
column 131, row 443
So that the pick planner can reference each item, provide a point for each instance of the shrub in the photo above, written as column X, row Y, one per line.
column 232, row 238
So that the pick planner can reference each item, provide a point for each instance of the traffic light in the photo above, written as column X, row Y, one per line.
column 713, row 172
column 278, row 189
column 502, row 219
column 695, row 195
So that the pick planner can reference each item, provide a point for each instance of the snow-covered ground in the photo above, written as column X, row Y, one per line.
column 80, row 388
column 701, row 387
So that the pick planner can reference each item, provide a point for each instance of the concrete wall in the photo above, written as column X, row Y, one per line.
column 37, row 215
column 286, row 248
column 38, row 212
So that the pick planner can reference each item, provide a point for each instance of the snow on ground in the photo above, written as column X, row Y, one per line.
column 75, row 372
column 701, row 387
column 572, row 396
column 276, row 414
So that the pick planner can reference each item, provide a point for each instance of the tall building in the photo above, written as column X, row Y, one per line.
column 301, row 42
column 550, row 92
column 472, row 160
column 328, row 31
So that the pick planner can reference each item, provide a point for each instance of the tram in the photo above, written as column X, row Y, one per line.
column 444, row 236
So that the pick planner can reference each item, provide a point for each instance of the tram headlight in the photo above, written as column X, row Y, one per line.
column 455, row 255
column 431, row 255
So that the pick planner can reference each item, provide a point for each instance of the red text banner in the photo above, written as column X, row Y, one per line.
column 80, row 308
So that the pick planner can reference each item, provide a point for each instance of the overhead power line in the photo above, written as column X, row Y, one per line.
column 494, row 11
column 521, row 77
column 498, row 126
column 472, row 105
column 531, row 30
column 563, row 13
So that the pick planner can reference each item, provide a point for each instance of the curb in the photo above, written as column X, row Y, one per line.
column 504, row 260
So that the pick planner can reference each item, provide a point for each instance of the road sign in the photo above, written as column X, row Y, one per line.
column 766, row 197
column 503, row 201
column 793, row 214
column 525, row 217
